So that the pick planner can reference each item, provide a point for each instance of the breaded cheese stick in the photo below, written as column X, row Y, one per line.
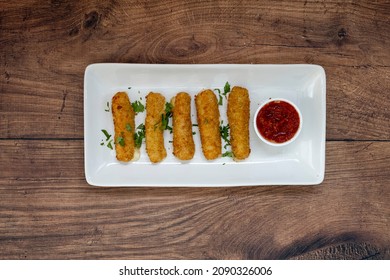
column 124, row 126
column 183, row 142
column 154, row 132
column 208, row 122
column 238, row 118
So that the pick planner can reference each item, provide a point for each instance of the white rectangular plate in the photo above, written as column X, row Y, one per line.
column 299, row 163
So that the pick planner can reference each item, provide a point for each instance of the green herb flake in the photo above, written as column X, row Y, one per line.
column 227, row 154
column 108, row 141
column 195, row 124
column 193, row 133
column 226, row 88
column 121, row 141
column 106, row 134
column 220, row 101
column 164, row 122
column 109, row 145
column 138, row 107
column 129, row 88
column 128, row 127
column 168, row 109
column 224, row 131
column 165, row 117
column 107, row 107
column 139, row 135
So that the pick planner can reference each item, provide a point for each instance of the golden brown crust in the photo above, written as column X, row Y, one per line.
column 238, row 117
column 208, row 121
column 124, row 126
column 183, row 142
column 154, row 133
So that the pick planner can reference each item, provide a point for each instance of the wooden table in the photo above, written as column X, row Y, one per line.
column 48, row 211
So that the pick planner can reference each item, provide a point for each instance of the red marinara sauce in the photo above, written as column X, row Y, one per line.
column 278, row 121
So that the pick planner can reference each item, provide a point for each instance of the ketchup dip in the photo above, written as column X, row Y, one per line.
column 278, row 121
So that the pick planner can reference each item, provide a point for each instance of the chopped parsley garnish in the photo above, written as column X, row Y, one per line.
column 129, row 88
column 193, row 133
column 224, row 131
column 106, row 134
column 139, row 135
column 121, row 141
column 107, row 107
column 220, row 101
column 227, row 154
column 165, row 117
column 226, row 90
column 128, row 127
column 138, row 107
column 168, row 109
column 109, row 145
column 164, row 122
column 195, row 124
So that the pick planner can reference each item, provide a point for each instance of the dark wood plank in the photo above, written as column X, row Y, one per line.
column 357, row 103
column 79, row 32
column 48, row 211
column 39, row 159
column 45, row 48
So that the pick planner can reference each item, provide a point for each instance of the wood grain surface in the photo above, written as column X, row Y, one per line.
column 48, row 211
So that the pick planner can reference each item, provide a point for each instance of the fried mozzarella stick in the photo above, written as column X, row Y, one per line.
column 238, row 118
column 154, row 131
column 208, row 122
column 183, row 142
column 124, row 127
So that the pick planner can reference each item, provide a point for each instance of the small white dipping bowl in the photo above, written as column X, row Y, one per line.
column 271, row 142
